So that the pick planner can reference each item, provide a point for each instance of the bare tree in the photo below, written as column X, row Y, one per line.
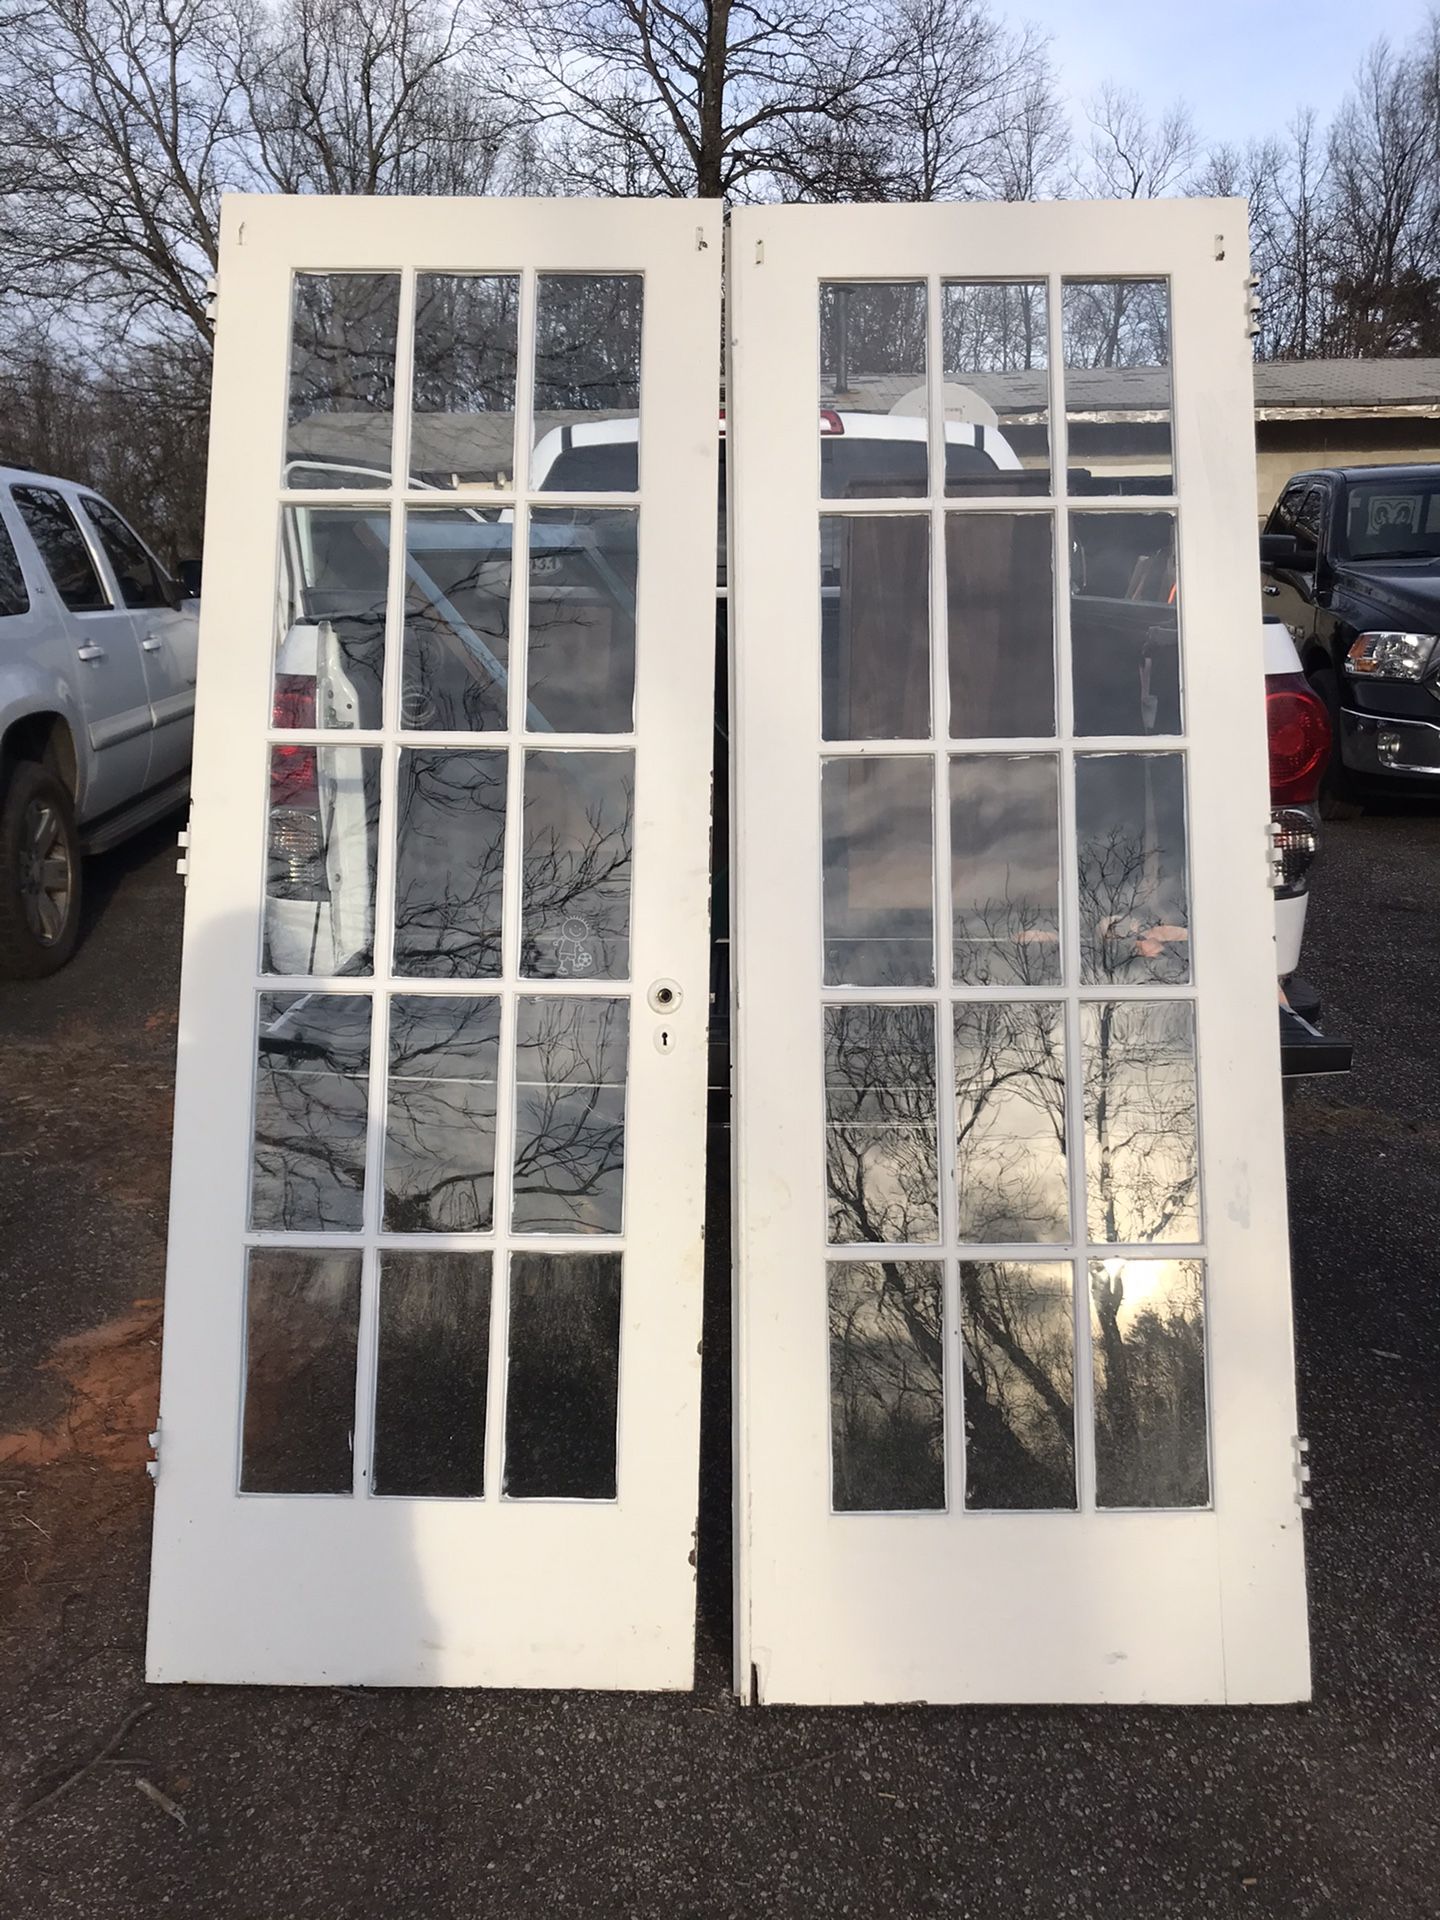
column 1132, row 154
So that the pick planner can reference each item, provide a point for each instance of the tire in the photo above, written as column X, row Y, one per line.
column 1340, row 796
column 39, row 874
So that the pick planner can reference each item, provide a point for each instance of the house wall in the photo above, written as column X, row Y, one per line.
column 1283, row 447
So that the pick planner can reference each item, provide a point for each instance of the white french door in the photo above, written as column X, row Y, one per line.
column 1015, row 1379
column 430, row 1400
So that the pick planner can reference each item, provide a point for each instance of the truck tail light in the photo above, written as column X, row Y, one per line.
column 1299, row 729
column 297, row 838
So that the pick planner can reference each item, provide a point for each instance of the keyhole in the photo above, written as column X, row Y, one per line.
column 664, row 1040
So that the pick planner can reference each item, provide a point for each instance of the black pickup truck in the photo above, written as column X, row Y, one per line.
column 1351, row 558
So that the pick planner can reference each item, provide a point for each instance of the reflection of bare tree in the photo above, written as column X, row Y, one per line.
column 1117, row 323
column 1133, row 912
column 575, row 880
column 440, row 1128
column 466, row 332
column 311, row 1103
column 457, row 625
column 432, row 1374
column 1018, row 1335
column 1010, row 1121
column 994, row 327
column 881, row 1150
column 1150, row 1419
column 886, row 1386
column 1007, row 942
column 449, row 863
column 587, row 342
column 562, row 1391
column 1142, row 1169
column 342, row 357
column 302, row 1313
column 570, row 1064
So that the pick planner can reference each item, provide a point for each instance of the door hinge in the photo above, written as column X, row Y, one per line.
column 152, row 1467
column 182, row 840
column 1275, row 859
column 1253, row 306
column 212, row 297
column 1302, row 1475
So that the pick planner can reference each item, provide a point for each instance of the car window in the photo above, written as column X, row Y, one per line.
column 1392, row 520
column 14, row 595
column 1282, row 520
column 57, row 534
column 140, row 580
column 1310, row 517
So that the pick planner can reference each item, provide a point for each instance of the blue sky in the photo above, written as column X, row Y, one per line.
column 1244, row 65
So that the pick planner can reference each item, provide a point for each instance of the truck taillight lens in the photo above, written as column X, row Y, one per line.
column 1295, row 838
column 1299, row 729
column 297, row 840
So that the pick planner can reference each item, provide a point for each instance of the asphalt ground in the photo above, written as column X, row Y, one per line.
column 340, row 1802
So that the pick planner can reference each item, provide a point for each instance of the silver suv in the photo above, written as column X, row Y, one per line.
column 97, row 700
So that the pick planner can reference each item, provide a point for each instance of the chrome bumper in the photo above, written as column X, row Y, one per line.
column 1373, row 744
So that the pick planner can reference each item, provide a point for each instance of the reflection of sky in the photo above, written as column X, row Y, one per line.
column 1158, row 1286
column 1003, row 829
column 877, row 837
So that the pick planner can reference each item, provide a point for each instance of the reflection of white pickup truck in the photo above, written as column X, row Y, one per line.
column 97, row 697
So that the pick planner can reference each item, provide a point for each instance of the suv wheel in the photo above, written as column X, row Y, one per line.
column 39, row 874
column 1340, row 797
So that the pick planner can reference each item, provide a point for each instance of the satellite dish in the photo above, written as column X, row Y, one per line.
column 959, row 403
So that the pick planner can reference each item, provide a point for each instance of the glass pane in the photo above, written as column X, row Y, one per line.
column 887, row 1392
column 1142, row 1173
column 575, row 909
column 449, row 863
column 56, row 532
column 440, row 1131
column 1134, row 894
column 1125, row 623
column 881, row 1148
column 562, row 1389
column 1010, row 1122
column 312, row 1081
column 1117, row 385
column 875, row 627
column 873, row 402
column 1000, row 603
column 457, row 621
column 1147, row 1322
column 1017, row 1328
column 320, row 860
column 587, row 380
column 878, row 827
column 302, row 1325
column 342, row 379
column 330, row 637
column 570, row 1058
column 432, row 1367
column 462, row 430
column 580, row 663
column 997, row 386
column 1005, row 869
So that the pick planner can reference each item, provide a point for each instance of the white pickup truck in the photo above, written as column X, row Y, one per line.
column 97, row 701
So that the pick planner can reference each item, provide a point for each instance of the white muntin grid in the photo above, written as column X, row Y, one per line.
column 382, row 984
column 1063, row 747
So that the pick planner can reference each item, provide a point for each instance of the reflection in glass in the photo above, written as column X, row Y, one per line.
column 570, row 1062
column 872, row 361
column 875, row 627
column 580, row 662
column 997, row 386
column 1005, row 869
column 1125, row 623
column 878, row 835
column 440, row 1130
column 587, row 370
column 330, row 637
column 1147, row 1331
column 1000, row 595
column 462, row 430
column 1134, row 909
column 342, row 379
column 1017, row 1329
column 1117, row 385
column 1142, row 1175
column 1010, row 1122
column 449, row 862
column 302, row 1324
column 575, row 883
column 320, row 860
column 432, row 1364
column 562, row 1388
column 457, row 620
column 881, row 1148
column 312, row 1080
column 887, row 1395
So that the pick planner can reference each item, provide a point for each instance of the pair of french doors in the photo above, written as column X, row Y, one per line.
column 1014, row 1381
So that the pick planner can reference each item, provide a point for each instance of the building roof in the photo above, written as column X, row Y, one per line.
column 1337, row 389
